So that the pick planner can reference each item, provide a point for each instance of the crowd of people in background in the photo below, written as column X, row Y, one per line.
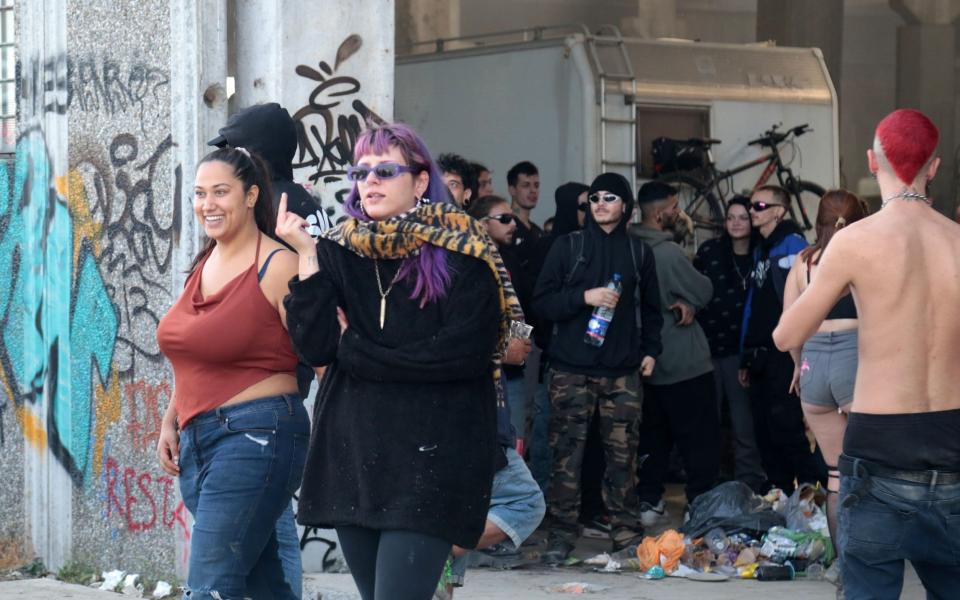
column 442, row 425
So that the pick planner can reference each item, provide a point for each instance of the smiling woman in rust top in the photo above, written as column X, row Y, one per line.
column 242, row 436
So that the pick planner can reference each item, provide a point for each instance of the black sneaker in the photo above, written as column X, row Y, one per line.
column 557, row 552
column 498, row 556
column 597, row 528
column 624, row 540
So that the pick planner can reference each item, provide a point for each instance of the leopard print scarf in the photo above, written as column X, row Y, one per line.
column 444, row 226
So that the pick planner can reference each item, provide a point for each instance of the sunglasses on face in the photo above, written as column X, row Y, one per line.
column 762, row 206
column 503, row 219
column 385, row 170
column 582, row 207
column 608, row 198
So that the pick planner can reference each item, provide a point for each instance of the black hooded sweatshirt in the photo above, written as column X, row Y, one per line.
column 269, row 131
column 562, row 302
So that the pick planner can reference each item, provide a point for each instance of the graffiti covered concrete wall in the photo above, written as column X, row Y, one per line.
column 87, row 230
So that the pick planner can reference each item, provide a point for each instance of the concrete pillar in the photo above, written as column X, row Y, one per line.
column 655, row 19
column 332, row 69
column 926, row 79
column 424, row 20
column 804, row 23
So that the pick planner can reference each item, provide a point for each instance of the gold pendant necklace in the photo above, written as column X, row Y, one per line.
column 383, row 294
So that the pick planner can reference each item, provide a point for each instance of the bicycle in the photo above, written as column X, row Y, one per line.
column 703, row 198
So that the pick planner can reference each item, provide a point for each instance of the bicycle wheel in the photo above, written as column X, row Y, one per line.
column 806, row 197
column 701, row 204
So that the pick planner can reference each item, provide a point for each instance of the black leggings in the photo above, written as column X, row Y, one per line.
column 394, row 565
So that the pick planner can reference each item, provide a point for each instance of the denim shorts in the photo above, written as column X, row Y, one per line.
column 239, row 467
column 828, row 368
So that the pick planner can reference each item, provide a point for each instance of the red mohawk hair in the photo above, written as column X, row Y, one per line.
column 907, row 139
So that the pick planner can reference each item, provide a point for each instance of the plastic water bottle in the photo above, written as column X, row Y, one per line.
column 601, row 317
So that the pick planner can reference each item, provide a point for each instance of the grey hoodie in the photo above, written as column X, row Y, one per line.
column 686, row 352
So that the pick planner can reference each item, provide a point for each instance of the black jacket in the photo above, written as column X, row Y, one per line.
column 523, row 286
column 772, row 259
column 404, row 427
column 561, row 301
column 731, row 276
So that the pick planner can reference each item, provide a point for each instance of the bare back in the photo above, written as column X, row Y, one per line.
column 904, row 270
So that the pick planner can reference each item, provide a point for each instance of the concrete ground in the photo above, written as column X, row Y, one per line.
column 520, row 584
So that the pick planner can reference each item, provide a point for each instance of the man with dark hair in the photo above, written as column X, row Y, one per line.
column 523, row 183
column 900, row 467
column 680, row 404
column 484, row 180
column 586, row 377
column 459, row 177
column 269, row 131
column 778, row 418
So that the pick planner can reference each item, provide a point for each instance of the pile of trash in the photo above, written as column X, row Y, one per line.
column 733, row 533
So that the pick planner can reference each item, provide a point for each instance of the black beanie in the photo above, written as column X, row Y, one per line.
column 615, row 183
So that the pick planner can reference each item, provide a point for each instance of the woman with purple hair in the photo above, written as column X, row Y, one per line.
column 408, row 305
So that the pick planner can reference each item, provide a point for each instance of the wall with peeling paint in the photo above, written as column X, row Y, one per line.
column 96, row 229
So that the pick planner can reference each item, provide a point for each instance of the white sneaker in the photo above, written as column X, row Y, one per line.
column 652, row 515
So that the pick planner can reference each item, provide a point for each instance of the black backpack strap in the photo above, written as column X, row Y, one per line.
column 576, row 251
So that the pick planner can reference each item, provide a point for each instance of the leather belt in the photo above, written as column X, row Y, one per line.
column 929, row 478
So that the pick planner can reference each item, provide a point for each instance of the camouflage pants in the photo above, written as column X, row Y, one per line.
column 573, row 399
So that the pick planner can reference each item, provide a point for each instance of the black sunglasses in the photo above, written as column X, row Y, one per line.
column 762, row 206
column 608, row 198
column 385, row 170
column 582, row 207
column 504, row 219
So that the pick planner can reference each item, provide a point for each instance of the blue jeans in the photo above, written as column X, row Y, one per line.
column 517, row 401
column 516, row 507
column 239, row 467
column 289, row 549
column 541, row 454
column 884, row 522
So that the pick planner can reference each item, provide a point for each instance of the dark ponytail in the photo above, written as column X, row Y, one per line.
column 251, row 170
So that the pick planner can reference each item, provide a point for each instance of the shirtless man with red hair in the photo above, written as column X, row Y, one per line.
column 900, row 485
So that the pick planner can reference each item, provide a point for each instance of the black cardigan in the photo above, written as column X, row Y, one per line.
column 404, row 427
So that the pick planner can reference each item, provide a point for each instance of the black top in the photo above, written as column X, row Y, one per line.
column 523, row 286
column 845, row 308
column 404, row 428
column 525, row 241
column 561, row 301
column 730, row 274
column 912, row 441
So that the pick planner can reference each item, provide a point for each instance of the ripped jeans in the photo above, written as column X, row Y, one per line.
column 239, row 467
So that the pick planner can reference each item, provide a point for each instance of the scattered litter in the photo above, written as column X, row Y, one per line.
column 162, row 590
column 111, row 579
column 664, row 550
column 599, row 560
column 710, row 576
column 612, row 567
column 579, row 587
column 655, row 572
column 132, row 585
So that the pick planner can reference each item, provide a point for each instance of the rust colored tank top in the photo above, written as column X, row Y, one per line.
column 221, row 345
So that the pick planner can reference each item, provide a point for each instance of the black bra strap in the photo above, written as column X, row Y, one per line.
column 263, row 269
